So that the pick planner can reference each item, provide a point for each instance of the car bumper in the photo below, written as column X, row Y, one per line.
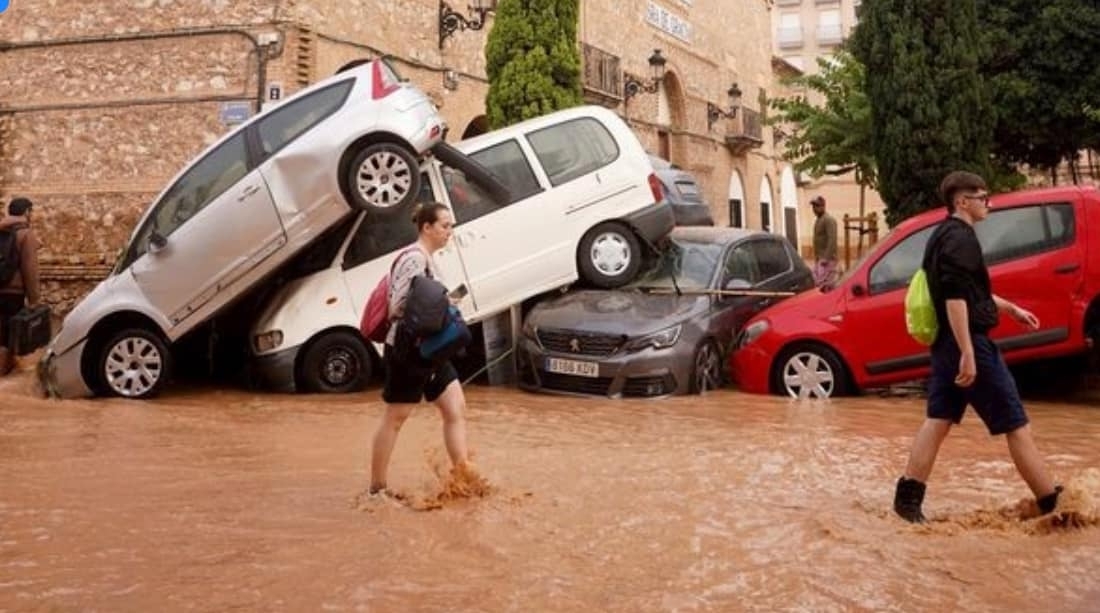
column 275, row 371
column 432, row 128
column 750, row 369
column 641, row 374
column 59, row 375
column 653, row 222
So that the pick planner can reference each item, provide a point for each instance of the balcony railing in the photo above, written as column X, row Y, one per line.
column 829, row 34
column 746, row 132
column 789, row 37
column 603, row 75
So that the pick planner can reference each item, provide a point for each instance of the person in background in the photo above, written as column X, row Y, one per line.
column 825, row 245
column 19, row 267
column 967, row 366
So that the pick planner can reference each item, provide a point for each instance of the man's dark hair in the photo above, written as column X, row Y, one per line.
column 959, row 181
column 19, row 206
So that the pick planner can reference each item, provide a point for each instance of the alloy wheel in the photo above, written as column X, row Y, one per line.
column 708, row 367
column 133, row 367
column 384, row 179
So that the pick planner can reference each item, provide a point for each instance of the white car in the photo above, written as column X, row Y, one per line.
column 238, row 212
column 584, row 203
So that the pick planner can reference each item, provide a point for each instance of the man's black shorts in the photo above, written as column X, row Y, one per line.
column 993, row 394
column 410, row 380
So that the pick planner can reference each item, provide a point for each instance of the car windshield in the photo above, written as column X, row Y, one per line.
column 693, row 265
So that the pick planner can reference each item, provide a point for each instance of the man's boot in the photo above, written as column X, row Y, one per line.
column 1048, row 502
column 908, row 499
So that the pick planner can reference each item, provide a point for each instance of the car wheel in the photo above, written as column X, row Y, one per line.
column 383, row 177
column 336, row 363
column 134, row 364
column 707, row 371
column 809, row 371
column 609, row 255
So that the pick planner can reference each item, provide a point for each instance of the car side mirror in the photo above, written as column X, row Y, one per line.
column 157, row 242
column 858, row 290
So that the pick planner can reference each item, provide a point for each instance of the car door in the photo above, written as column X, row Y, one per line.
column 761, row 264
column 873, row 324
column 510, row 250
column 213, row 225
column 1027, row 248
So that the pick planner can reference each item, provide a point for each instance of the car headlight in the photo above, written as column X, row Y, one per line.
column 752, row 332
column 267, row 341
column 658, row 340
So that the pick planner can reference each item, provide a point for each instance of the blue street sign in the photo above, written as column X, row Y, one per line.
column 233, row 112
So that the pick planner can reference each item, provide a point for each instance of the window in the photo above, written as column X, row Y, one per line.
column 828, row 27
column 1020, row 232
column 894, row 269
column 789, row 33
column 376, row 236
column 773, row 258
column 468, row 200
column 741, row 265
column 508, row 163
column 688, row 189
column 573, row 149
column 290, row 121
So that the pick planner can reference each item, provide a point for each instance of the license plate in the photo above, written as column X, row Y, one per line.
column 572, row 367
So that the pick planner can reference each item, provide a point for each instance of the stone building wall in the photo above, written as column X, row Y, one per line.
column 102, row 103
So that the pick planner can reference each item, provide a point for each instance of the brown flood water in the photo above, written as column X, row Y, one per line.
column 209, row 500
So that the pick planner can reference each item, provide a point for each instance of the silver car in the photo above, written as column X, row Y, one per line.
column 668, row 332
column 239, row 211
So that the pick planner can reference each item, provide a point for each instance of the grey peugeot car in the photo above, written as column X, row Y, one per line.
column 667, row 332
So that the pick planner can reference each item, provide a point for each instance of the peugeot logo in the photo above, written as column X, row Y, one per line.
column 575, row 345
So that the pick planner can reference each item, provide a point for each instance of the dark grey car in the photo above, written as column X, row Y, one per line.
column 668, row 332
column 683, row 194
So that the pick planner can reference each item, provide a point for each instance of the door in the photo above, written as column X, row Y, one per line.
column 873, row 323
column 217, row 222
column 1027, row 248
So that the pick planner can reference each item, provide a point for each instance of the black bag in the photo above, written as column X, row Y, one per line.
column 29, row 329
column 9, row 253
column 426, row 307
column 444, row 344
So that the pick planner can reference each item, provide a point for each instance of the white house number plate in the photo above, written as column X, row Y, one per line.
column 573, row 367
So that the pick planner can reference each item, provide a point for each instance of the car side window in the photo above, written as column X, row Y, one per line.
column 468, row 200
column 508, row 164
column 376, row 236
column 741, row 265
column 894, row 269
column 773, row 257
column 1014, row 233
column 218, row 171
column 573, row 149
column 293, row 119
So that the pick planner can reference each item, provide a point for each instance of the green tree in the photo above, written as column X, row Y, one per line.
column 830, row 126
column 930, row 110
column 1044, row 78
column 532, row 60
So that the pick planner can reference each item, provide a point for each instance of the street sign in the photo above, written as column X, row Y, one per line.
column 275, row 91
column 235, row 112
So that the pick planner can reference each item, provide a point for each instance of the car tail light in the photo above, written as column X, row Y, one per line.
column 655, row 187
column 385, row 81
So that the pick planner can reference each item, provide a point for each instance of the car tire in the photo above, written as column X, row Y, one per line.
column 809, row 371
column 706, row 372
column 134, row 363
column 382, row 178
column 609, row 255
column 336, row 363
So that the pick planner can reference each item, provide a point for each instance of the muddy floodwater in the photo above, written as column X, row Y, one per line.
column 225, row 500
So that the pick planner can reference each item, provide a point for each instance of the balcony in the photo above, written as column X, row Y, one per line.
column 828, row 35
column 788, row 2
column 746, row 132
column 789, row 37
column 603, row 77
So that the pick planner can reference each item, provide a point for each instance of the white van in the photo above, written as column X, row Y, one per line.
column 584, row 203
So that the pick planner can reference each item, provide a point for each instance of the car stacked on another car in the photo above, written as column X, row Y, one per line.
column 237, row 213
column 668, row 331
column 1042, row 247
column 683, row 194
column 583, row 203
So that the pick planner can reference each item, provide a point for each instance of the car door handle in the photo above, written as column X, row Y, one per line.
column 1066, row 269
column 248, row 192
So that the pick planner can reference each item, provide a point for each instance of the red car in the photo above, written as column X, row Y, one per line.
column 1042, row 247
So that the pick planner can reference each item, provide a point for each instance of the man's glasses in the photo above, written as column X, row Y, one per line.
column 984, row 198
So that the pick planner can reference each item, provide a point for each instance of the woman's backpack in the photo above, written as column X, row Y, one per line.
column 375, row 322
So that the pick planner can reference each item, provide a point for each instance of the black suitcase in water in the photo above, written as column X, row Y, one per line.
column 30, row 329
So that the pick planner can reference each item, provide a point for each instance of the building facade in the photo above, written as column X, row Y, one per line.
column 806, row 30
column 102, row 104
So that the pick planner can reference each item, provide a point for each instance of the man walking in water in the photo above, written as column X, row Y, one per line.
column 967, row 367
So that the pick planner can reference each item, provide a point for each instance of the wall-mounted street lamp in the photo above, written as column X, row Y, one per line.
column 632, row 85
column 451, row 20
column 714, row 113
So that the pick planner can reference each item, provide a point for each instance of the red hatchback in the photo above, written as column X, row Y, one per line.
column 1042, row 247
